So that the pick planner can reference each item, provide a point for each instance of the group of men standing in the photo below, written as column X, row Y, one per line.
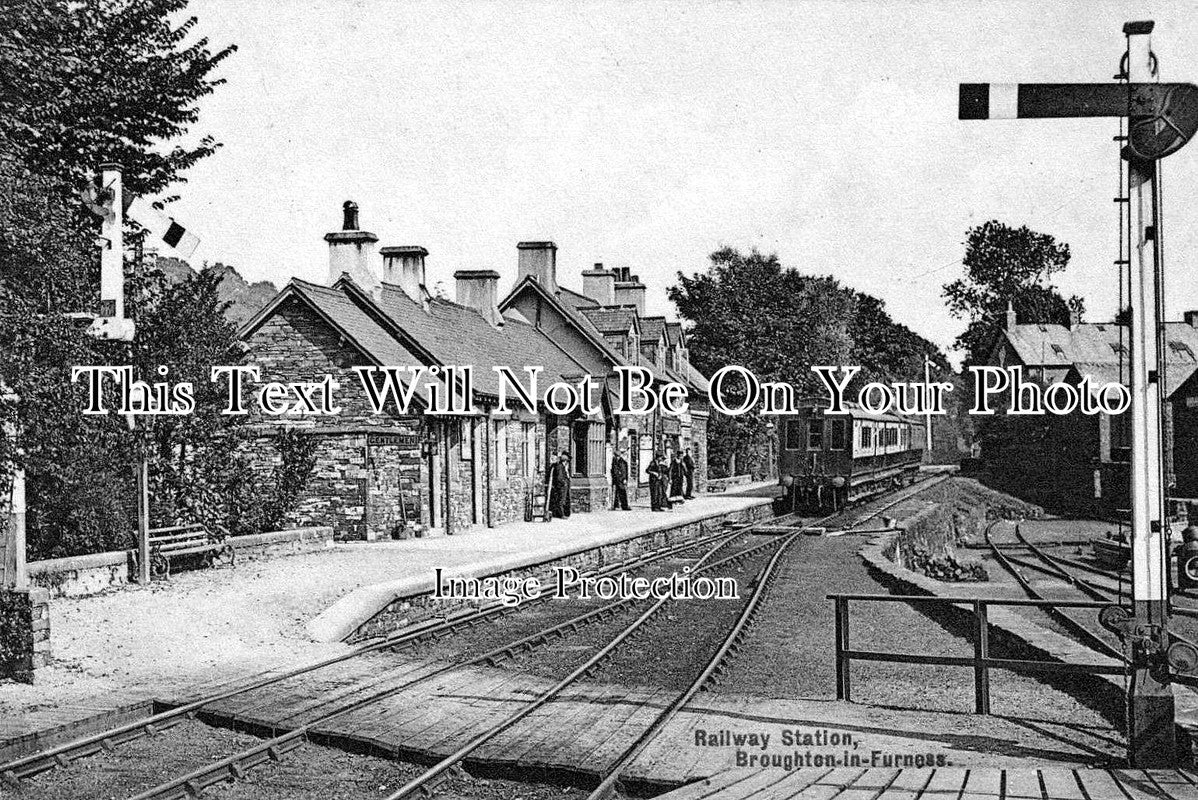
column 669, row 483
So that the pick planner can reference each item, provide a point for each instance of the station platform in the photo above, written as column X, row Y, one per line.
column 127, row 647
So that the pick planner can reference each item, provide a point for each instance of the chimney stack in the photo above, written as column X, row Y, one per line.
column 539, row 259
column 403, row 266
column 630, row 291
column 1010, row 322
column 599, row 284
column 479, row 289
column 351, row 251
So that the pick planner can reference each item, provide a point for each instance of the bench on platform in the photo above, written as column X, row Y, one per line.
column 183, row 541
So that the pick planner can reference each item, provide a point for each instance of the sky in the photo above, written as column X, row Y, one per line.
column 651, row 134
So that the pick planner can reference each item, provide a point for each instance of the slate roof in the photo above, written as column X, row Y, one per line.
column 1094, row 343
column 578, row 308
column 653, row 328
column 459, row 335
column 674, row 333
column 348, row 318
column 1095, row 349
column 611, row 320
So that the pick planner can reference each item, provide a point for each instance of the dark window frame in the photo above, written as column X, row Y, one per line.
column 815, row 433
column 837, row 441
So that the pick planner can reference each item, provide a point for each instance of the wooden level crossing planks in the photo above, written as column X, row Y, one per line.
column 290, row 707
column 983, row 783
column 1061, row 784
column 907, row 785
column 1056, row 783
column 545, row 726
column 1100, row 785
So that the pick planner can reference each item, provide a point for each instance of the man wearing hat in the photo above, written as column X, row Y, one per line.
column 619, row 480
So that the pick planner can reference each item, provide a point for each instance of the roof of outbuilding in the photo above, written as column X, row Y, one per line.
column 1100, row 374
column 1094, row 343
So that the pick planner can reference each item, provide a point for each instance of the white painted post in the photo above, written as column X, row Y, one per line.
column 927, row 431
column 13, row 569
column 1151, row 736
column 112, row 267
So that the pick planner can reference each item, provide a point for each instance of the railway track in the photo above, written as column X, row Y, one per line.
column 717, row 554
column 1066, row 570
column 711, row 671
column 237, row 765
column 1075, row 628
column 107, row 740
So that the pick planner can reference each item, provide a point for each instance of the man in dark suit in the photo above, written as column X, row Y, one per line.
column 619, row 481
column 688, row 467
column 558, row 482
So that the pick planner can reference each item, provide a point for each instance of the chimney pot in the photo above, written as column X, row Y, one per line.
column 351, row 251
column 539, row 260
column 479, row 289
column 349, row 216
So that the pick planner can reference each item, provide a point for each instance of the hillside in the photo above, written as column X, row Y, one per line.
column 245, row 298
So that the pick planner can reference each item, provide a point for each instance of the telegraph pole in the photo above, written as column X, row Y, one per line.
column 1162, row 118
column 1151, row 708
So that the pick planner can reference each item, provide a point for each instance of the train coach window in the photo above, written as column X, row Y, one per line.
column 867, row 437
column 815, row 433
column 794, row 435
column 837, row 434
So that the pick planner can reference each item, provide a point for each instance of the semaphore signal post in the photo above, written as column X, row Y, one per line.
column 1162, row 117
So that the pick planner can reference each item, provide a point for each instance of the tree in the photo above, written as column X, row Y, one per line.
column 83, row 83
column 751, row 311
column 1005, row 265
column 86, row 81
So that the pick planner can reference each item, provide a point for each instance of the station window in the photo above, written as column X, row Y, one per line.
column 794, row 435
column 837, row 434
column 815, row 434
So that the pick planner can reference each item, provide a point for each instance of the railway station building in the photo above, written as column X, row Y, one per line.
column 1081, row 462
column 379, row 474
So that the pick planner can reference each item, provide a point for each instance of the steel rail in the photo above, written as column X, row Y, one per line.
column 765, row 578
column 62, row 755
column 1095, row 591
column 1073, row 626
column 731, row 643
column 235, row 766
column 422, row 781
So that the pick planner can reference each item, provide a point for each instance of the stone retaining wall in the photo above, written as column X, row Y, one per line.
column 78, row 576
column 24, row 632
column 405, row 611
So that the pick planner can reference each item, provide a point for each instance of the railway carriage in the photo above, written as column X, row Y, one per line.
column 827, row 461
